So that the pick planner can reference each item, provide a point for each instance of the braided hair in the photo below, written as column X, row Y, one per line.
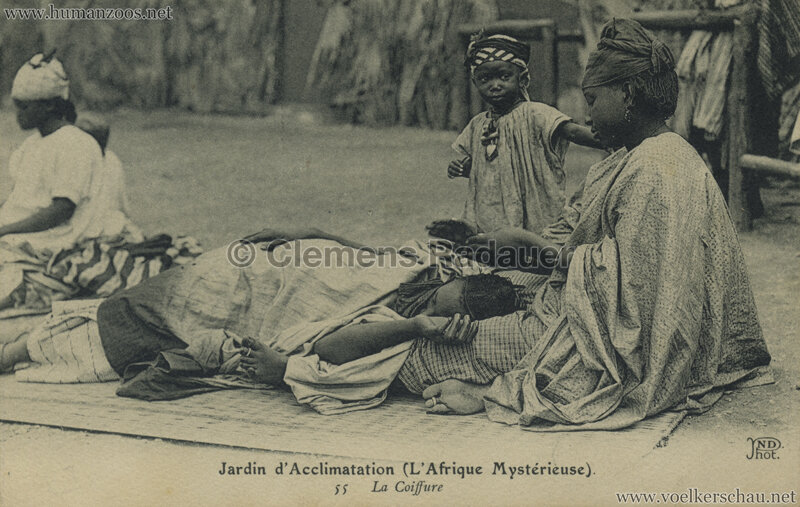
column 488, row 296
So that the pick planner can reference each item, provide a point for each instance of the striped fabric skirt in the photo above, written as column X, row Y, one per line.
column 95, row 268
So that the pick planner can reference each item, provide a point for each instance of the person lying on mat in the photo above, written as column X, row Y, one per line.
column 651, row 307
column 188, row 322
column 434, row 310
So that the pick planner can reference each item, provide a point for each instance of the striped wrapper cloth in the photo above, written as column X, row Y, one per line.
column 94, row 268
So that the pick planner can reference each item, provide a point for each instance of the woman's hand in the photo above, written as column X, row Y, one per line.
column 512, row 237
column 453, row 230
column 427, row 327
column 460, row 168
column 454, row 397
column 283, row 235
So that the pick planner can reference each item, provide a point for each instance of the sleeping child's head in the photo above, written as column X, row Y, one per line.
column 96, row 127
column 498, row 66
column 479, row 296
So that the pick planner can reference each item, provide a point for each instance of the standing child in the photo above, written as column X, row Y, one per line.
column 513, row 154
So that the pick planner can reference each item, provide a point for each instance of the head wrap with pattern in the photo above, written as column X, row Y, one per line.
column 503, row 48
column 625, row 50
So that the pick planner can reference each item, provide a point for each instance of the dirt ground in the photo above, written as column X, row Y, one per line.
column 217, row 178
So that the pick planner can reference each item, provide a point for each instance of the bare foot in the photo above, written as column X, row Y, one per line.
column 13, row 353
column 454, row 397
column 263, row 364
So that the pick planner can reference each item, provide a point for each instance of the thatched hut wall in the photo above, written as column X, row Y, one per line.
column 377, row 61
column 211, row 56
column 395, row 61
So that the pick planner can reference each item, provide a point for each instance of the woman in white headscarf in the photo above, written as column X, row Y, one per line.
column 58, row 170
column 63, row 229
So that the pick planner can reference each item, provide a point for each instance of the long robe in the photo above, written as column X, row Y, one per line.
column 655, row 312
column 168, row 335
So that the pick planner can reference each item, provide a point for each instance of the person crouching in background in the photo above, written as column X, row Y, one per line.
column 64, row 232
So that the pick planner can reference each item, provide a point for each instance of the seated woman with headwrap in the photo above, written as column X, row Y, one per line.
column 651, row 307
column 63, row 230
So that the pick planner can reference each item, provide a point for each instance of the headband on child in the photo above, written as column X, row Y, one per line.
column 502, row 48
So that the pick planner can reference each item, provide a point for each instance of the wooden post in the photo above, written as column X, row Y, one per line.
column 520, row 28
column 692, row 19
column 473, row 101
column 280, row 54
column 737, row 107
column 463, row 101
column 550, row 71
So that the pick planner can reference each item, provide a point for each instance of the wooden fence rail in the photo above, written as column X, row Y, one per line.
column 771, row 166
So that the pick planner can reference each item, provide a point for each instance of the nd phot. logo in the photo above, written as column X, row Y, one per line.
column 764, row 448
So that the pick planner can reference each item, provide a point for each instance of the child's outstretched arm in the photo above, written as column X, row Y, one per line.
column 579, row 134
column 361, row 340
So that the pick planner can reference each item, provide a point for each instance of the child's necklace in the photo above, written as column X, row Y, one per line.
column 490, row 135
column 495, row 114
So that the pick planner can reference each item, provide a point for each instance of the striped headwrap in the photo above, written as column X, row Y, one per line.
column 501, row 48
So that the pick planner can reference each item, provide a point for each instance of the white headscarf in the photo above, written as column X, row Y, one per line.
column 40, row 79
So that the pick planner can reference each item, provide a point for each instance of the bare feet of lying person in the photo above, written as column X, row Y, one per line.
column 455, row 397
column 261, row 363
column 13, row 353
